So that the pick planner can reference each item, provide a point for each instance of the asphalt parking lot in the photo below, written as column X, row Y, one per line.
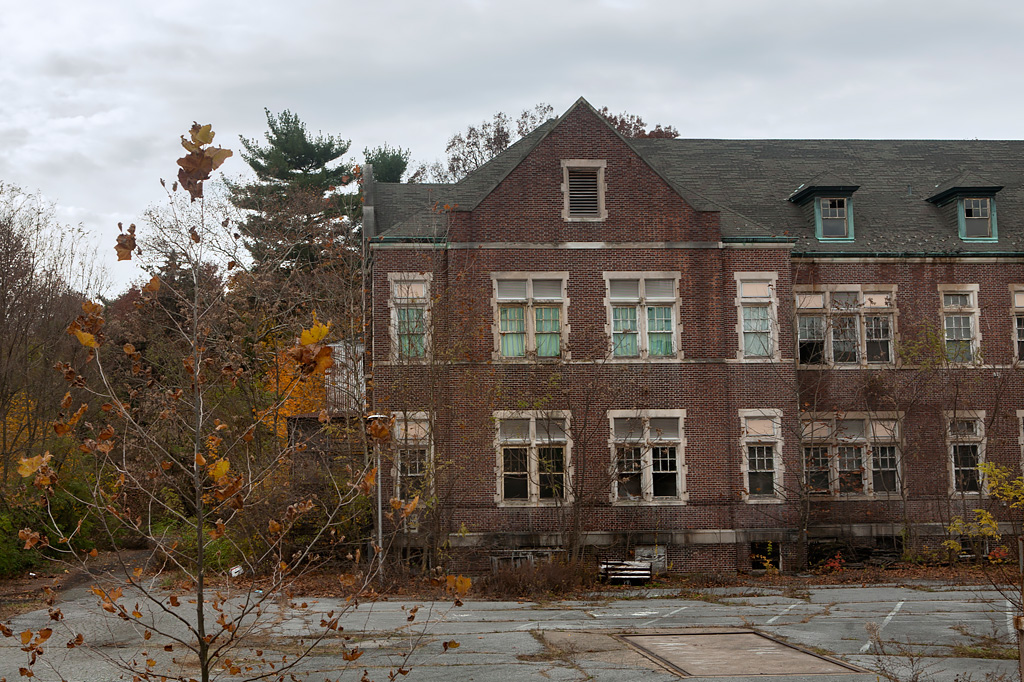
column 583, row 640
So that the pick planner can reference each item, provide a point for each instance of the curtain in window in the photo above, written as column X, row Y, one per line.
column 659, row 330
column 411, row 332
column 513, row 332
column 756, row 331
column 624, row 332
column 548, row 332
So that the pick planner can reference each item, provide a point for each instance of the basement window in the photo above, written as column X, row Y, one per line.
column 583, row 190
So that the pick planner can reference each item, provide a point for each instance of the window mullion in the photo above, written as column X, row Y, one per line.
column 533, row 482
column 647, row 465
column 641, row 327
column 530, row 327
column 833, row 465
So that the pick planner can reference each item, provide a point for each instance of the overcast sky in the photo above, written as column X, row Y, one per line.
column 94, row 95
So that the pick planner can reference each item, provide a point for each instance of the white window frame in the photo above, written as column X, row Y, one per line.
column 821, row 302
column 647, row 441
column 750, row 438
column 533, row 443
column 985, row 205
column 771, row 302
column 530, row 304
column 954, row 439
column 1017, row 321
column 599, row 166
column 881, row 429
column 971, row 312
column 420, row 438
column 407, row 439
column 641, row 304
column 1020, row 437
column 395, row 281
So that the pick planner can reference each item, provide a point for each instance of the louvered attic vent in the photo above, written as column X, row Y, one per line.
column 583, row 194
column 583, row 189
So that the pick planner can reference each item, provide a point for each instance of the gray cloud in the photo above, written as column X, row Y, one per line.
column 96, row 94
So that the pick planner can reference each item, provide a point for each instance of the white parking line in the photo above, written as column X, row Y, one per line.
column 885, row 622
column 670, row 613
column 1009, row 617
column 775, row 618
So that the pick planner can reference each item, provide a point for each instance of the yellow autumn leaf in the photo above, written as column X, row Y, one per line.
column 86, row 339
column 220, row 469
column 202, row 134
column 200, row 460
column 314, row 334
column 30, row 465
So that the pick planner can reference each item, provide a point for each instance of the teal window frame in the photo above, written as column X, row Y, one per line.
column 818, row 232
column 961, row 220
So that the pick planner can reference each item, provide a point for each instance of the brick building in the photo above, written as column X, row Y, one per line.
column 690, row 349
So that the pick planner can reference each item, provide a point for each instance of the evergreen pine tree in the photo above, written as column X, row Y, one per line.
column 294, row 206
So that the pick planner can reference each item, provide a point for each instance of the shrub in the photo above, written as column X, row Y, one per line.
column 14, row 559
column 540, row 580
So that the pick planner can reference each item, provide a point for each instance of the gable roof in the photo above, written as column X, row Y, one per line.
column 750, row 183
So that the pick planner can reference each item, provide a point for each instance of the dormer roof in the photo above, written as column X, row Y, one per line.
column 964, row 184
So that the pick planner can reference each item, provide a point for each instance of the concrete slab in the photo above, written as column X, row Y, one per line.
column 733, row 654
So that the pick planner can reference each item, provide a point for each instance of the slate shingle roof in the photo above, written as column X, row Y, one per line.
column 749, row 183
column 895, row 177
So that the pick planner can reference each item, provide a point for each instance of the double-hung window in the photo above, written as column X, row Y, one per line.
column 531, row 312
column 643, row 313
column 851, row 455
column 960, row 322
column 966, row 436
column 833, row 218
column 1018, row 324
column 410, row 313
column 412, row 455
column 853, row 326
column 761, row 446
column 647, row 454
column 975, row 209
column 757, row 314
column 533, row 457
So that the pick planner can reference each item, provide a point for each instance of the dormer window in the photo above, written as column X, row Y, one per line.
column 971, row 201
column 832, row 213
column 829, row 201
column 977, row 218
column 583, row 190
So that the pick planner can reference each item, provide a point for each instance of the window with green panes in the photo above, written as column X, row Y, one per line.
column 412, row 336
column 529, row 316
column 659, row 330
column 643, row 313
column 409, row 303
column 625, row 332
column 548, row 321
column 513, row 331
